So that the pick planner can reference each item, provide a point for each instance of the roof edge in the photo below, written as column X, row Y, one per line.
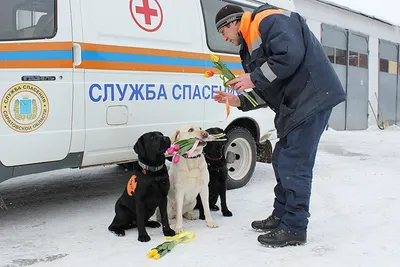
column 326, row 2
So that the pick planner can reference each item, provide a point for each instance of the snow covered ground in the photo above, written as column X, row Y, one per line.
column 61, row 218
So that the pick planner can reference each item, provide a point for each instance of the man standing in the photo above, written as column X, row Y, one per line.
column 289, row 72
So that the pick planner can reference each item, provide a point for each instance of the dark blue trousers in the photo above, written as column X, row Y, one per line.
column 293, row 162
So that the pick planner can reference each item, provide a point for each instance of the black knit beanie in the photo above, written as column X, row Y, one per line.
column 227, row 14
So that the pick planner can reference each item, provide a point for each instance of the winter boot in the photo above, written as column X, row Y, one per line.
column 268, row 224
column 280, row 238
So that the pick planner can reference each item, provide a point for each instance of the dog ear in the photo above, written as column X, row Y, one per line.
column 174, row 138
column 138, row 146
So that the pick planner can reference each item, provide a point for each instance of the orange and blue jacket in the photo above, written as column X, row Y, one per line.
column 288, row 66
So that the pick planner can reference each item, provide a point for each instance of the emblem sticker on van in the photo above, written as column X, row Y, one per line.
column 24, row 107
column 147, row 14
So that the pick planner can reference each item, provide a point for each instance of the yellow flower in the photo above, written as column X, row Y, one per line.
column 157, row 256
column 152, row 253
column 214, row 58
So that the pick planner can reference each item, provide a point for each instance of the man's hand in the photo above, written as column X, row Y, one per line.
column 220, row 97
column 241, row 82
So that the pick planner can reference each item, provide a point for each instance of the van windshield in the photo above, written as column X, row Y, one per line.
column 27, row 19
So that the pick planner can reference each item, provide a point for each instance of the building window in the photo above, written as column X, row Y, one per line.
column 215, row 41
column 384, row 65
column 363, row 63
column 26, row 19
column 338, row 56
column 330, row 53
column 388, row 66
column 353, row 59
column 341, row 57
column 393, row 67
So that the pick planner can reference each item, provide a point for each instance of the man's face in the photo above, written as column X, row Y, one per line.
column 230, row 33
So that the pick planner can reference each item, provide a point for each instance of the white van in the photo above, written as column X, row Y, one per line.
column 81, row 80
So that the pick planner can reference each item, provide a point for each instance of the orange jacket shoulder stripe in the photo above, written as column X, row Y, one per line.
column 250, row 29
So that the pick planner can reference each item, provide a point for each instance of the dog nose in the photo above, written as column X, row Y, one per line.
column 166, row 140
column 204, row 134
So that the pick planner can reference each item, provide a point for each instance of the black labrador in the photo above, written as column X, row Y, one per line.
column 216, row 163
column 146, row 190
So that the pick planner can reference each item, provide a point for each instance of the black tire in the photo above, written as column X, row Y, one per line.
column 264, row 152
column 241, row 155
column 127, row 166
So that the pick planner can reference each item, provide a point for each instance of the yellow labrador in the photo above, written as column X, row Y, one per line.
column 188, row 178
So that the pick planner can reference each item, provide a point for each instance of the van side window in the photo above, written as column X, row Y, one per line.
column 27, row 19
column 215, row 41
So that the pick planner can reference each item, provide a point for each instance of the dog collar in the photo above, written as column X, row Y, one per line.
column 215, row 159
column 187, row 157
column 150, row 168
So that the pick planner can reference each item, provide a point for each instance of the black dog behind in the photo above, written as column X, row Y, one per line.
column 146, row 190
column 216, row 162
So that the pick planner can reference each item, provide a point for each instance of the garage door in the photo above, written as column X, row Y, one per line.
column 357, row 83
column 334, row 41
column 388, row 83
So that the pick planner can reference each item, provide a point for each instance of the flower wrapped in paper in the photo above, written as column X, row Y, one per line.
column 187, row 146
column 165, row 247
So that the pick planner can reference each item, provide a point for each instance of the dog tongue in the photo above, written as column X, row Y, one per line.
column 193, row 148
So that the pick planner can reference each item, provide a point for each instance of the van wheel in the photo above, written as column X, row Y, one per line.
column 264, row 152
column 240, row 153
column 127, row 166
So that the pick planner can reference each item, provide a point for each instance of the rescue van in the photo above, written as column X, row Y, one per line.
column 81, row 80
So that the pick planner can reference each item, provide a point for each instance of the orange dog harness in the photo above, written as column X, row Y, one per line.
column 131, row 186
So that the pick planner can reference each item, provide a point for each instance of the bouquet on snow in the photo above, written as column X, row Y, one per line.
column 188, row 146
column 165, row 247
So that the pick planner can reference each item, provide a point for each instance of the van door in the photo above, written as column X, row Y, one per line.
column 141, row 73
column 36, row 81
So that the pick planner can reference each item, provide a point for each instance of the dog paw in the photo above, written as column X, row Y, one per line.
column 227, row 213
column 153, row 224
column 178, row 229
column 202, row 217
column 169, row 232
column 211, row 224
column 144, row 238
column 190, row 216
column 118, row 232
column 214, row 208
